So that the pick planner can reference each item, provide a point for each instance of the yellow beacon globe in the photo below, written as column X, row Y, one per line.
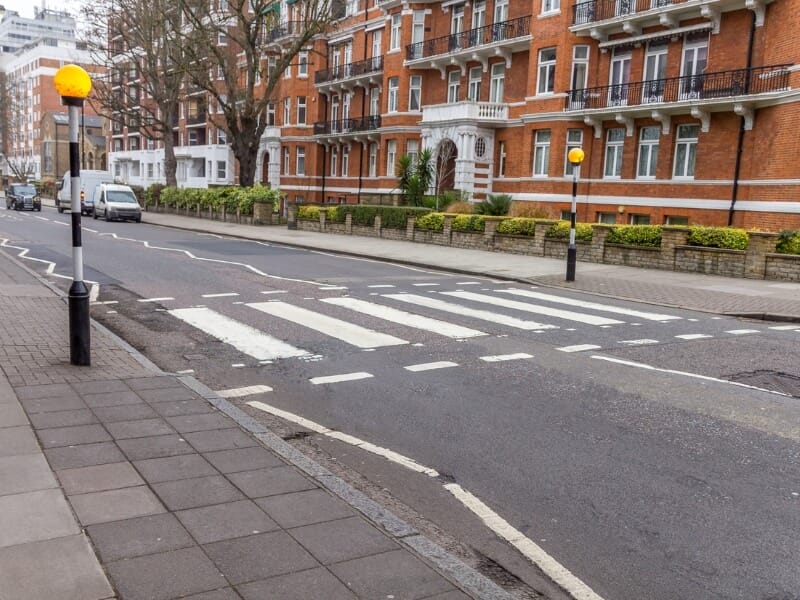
column 576, row 156
column 72, row 81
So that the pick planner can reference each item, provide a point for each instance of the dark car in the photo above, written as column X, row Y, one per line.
column 22, row 196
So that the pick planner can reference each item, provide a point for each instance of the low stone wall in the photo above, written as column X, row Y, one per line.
column 783, row 267
column 711, row 261
column 633, row 256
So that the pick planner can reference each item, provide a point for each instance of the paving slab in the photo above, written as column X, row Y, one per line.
column 168, row 394
column 125, row 412
column 271, row 481
column 17, row 440
column 225, row 521
column 45, row 391
column 25, row 473
column 111, row 399
column 115, row 505
column 345, row 539
column 223, row 594
column 72, row 436
column 72, row 457
column 150, row 383
column 304, row 508
column 203, row 422
column 52, row 403
column 122, row 430
column 98, row 478
column 100, row 387
column 243, row 459
column 176, row 408
column 314, row 584
column 152, row 534
column 155, row 447
column 192, row 493
column 221, row 439
column 171, row 468
column 62, row 418
column 35, row 516
column 12, row 415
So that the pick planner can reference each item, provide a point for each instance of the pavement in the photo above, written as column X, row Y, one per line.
column 122, row 481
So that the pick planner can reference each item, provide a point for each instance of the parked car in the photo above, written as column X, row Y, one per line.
column 22, row 196
column 112, row 201
column 89, row 180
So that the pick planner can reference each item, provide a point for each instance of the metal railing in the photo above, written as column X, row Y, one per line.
column 199, row 117
column 345, row 126
column 722, row 84
column 506, row 30
column 600, row 10
column 353, row 69
column 285, row 29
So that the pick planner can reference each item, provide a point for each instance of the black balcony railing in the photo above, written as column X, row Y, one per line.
column 194, row 119
column 507, row 30
column 600, row 10
column 723, row 84
column 285, row 29
column 354, row 69
column 344, row 126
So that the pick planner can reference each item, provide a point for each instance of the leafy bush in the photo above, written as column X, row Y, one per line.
column 153, row 194
column 460, row 207
column 392, row 217
column 495, row 205
column 517, row 226
column 430, row 222
column 560, row 231
column 468, row 223
column 334, row 214
column 635, row 235
column 532, row 210
column 308, row 212
column 718, row 237
column 788, row 242
column 443, row 201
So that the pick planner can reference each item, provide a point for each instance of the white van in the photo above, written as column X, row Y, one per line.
column 112, row 201
column 89, row 181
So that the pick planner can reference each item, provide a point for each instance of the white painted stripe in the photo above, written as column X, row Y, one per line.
column 164, row 299
column 402, row 317
column 347, row 439
column 785, row 327
column 340, row 378
column 534, row 308
column 358, row 336
column 109, row 302
column 504, row 357
column 529, row 549
column 742, row 331
column 185, row 372
column 468, row 282
column 329, row 288
column 223, row 295
column 647, row 367
column 442, row 364
column 424, row 284
column 244, row 391
column 44, row 219
column 643, row 342
column 693, row 336
column 579, row 348
column 275, row 292
column 244, row 338
column 380, row 286
column 591, row 305
column 484, row 315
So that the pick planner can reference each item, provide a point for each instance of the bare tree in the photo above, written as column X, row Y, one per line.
column 139, row 43
column 238, row 50
column 22, row 165
column 445, row 166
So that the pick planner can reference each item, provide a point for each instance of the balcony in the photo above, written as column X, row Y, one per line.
column 499, row 39
column 285, row 32
column 478, row 113
column 356, row 129
column 360, row 73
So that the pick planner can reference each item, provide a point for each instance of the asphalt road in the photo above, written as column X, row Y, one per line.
column 588, row 432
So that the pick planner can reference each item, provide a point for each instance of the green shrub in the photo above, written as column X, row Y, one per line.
column 517, row 226
column 495, row 205
column 469, row 223
column 334, row 214
column 392, row 217
column 152, row 195
column 788, row 242
column 635, row 235
column 430, row 222
column 308, row 212
column 560, row 231
column 718, row 237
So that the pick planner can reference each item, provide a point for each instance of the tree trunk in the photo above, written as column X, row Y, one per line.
column 170, row 162
column 246, row 156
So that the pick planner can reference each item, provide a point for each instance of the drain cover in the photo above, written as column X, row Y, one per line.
column 770, row 380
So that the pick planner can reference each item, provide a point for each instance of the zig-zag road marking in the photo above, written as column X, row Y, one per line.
column 50, row 270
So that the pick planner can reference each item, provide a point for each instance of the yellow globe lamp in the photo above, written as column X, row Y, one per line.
column 72, row 82
column 576, row 156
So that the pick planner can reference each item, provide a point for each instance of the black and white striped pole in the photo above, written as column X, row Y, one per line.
column 73, row 84
column 575, row 157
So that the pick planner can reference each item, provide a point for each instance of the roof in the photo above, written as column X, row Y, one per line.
column 88, row 120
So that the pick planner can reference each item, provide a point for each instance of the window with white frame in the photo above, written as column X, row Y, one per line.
column 639, row 219
column 301, row 161
column 474, row 85
column 301, row 110
column 394, row 34
column 615, row 144
column 478, row 14
column 453, row 86
column 222, row 169
column 391, row 157
column 334, row 161
column 412, row 150
column 676, row 220
column 497, row 83
column 345, row 160
column 377, row 47
column 547, row 71
column 501, row 159
column 608, row 218
column 222, row 39
column 549, row 6
column 541, row 152
column 149, row 170
column 648, row 152
column 286, row 160
column 415, row 93
column 287, row 111
column 302, row 64
column 574, row 140
column 374, row 101
column 223, row 99
column 222, row 137
column 580, row 67
column 686, row 151
column 394, row 84
column 271, row 114
column 373, row 160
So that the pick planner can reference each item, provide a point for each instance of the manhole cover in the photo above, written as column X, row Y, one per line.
column 770, row 380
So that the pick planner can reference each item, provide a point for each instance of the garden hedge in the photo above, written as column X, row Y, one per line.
column 635, row 235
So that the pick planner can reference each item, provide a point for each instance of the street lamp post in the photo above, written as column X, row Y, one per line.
column 575, row 157
column 73, row 84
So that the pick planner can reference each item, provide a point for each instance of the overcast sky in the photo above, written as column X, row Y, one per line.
column 25, row 7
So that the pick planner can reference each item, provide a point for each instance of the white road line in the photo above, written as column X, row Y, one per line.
column 468, row 282
column 402, row 317
column 222, row 295
column 330, row 288
column 643, row 342
column 358, row 336
column 185, row 372
column 532, row 551
column 164, row 299
column 41, row 218
column 742, row 331
column 579, row 348
column 693, row 336
column 504, row 357
column 380, row 286
column 244, row 338
column 785, row 327
column 442, row 364
column 484, row 315
column 275, row 292
column 647, row 367
column 108, row 302
column 535, row 308
column 590, row 305
column 340, row 378
column 424, row 284
column 244, row 391
column 347, row 439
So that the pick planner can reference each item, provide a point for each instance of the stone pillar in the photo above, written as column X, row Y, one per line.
column 377, row 225
column 755, row 260
column 323, row 219
column 447, row 230
column 410, row 228
column 291, row 216
column 262, row 213
column 348, row 223
column 671, row 238
column 539, row 229
column 489, row 231
column 597, row 250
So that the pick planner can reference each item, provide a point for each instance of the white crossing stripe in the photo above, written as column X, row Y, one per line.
column 244, row 338
column 358, row 336
column 504, row 357
column 424, row 284
column 693, row 336
column 380, row 286
column 164, row 299
column 329, row 288
column 223, row 295
column 591, row 305
column 535, row 308
column 340, row 378
column 275, row 292
column 244, row 391
column 402, row 317
column 785, row 327
column 578, row 348
column 468, row 282
column 644, row 342
column 742, row 331
column 484, row 315
column 442, row 364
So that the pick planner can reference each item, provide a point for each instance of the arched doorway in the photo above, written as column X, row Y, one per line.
column 265, row 168
column 446, row 166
